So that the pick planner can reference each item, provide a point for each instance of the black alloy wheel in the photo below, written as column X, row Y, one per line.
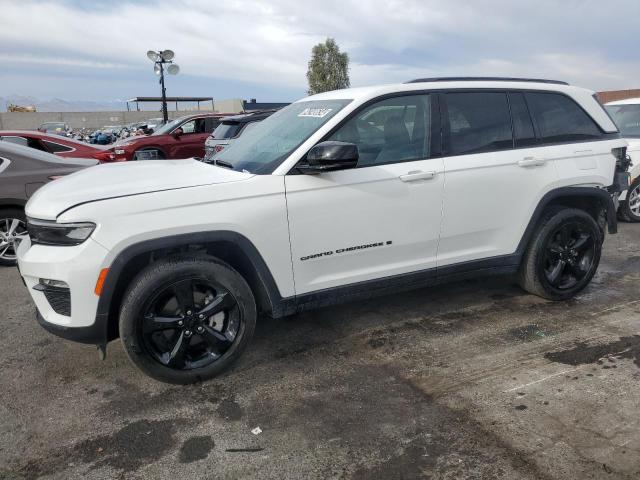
column 569, row 255
column 190, row 324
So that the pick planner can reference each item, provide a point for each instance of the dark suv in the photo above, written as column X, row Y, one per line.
column 229, row 131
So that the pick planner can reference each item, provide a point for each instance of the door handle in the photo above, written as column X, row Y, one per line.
column 531, row 162
column 417, row 175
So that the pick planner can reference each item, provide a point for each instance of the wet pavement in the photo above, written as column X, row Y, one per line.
column 474, row 379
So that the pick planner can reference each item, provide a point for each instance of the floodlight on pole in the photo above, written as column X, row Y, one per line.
column 160, row 59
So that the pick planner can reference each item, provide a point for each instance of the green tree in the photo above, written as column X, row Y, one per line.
column 328, row 68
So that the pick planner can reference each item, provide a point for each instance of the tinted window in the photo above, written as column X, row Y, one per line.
column 210, row 124
column 56, row 147
column 522, row 126
column 16, row 140
column 392, row 130
column 479, row 122
column 226, row 130
column 560, row 119
column 627, row 118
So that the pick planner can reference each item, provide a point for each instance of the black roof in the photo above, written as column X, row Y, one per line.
column 253, row 105
column 486, row 79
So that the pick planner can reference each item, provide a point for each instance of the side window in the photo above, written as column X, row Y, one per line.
column 389, row 131
column 188, row 127
column 56, row 147
column 560, row 119
column 17, row 140
column 478, row 122
column 522, row 125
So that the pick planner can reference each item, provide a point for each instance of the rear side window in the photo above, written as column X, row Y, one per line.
column 523, row 132
column 478, row 122
column 56, row 147
column 560, row 119
column 210, row 124
column 226, row 130
column 17, row 140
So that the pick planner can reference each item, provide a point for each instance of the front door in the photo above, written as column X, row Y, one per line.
column 379, row 219
column 190, row 142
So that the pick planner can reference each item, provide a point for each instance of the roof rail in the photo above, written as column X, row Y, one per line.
column 486, row 79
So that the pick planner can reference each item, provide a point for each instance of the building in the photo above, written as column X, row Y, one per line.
column 613, row 95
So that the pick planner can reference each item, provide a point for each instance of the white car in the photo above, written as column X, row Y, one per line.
column 343, row 195
column 626, row 114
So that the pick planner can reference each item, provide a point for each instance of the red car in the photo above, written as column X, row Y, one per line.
column 47, row 142
column 183, row 137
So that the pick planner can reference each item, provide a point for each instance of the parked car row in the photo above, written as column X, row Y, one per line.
column 342, row 195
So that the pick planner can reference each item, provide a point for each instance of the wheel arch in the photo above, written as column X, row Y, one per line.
column 230, row 247
column 12, row 203
column 151, row 147
column 590, row 199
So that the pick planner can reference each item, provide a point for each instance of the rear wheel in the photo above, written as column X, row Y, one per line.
column 187, row 319
column 563, row 255
column 13, row 227
column 630, row 207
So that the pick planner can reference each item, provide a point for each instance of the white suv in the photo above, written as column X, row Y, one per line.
column 626, row 114
column 343, row 195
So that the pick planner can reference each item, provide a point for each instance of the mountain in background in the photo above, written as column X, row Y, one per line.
column 61, row 105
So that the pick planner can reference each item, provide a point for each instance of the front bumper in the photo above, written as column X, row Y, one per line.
column 77, row 266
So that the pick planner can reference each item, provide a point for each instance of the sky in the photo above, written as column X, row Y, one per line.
column 96, row 50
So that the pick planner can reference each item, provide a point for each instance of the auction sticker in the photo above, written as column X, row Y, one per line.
column 314, row 112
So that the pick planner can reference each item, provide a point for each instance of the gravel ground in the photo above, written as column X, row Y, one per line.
column 468, row 380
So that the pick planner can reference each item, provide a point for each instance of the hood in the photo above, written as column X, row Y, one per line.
column 123, row 179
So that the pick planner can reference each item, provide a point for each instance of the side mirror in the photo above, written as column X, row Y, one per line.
column 177, row 132
column 329, row 156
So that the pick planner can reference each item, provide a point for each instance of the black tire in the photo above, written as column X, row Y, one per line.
column 161, row 154
column 140, row 314
column 7, row 215
column 626, row 211
column 558, row 269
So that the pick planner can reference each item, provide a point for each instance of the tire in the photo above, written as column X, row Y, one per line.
column 563, row 254
column 176, row 352
column 8, row 225
column 161, row 154
column 629, row 209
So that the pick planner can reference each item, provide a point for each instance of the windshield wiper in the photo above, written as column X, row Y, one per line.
column 222, row 163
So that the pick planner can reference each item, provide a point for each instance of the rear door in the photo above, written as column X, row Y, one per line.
column 494, row 174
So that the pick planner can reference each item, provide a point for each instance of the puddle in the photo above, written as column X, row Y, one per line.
column 583, row 354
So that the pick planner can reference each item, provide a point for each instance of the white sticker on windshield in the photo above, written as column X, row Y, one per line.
column 314, row 112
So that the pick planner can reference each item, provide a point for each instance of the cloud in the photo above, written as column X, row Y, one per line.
column 249, row 42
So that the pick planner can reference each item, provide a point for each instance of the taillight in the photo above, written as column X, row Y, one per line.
column 106, row 156
column 218, row 148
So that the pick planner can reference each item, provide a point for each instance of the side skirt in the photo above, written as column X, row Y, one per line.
column 503, row 265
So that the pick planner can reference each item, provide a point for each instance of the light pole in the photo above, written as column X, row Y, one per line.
column 160, row 59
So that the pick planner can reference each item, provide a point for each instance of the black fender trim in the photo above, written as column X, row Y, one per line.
column 199, row 238
column 569, row 192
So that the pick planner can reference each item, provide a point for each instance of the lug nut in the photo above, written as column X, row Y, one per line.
column 200, row 329
column 188, row 312
column 180, row 323
column 201, row 316
column 187, row 333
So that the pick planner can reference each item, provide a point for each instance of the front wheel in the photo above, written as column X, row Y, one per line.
column 563, row 255
column 186, row 319
column 13, row 227
column 630, row 207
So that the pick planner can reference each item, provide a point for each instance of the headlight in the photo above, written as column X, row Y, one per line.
column 52, row 233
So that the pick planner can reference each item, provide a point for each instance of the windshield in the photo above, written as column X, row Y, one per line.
column 272, row 140
column 627, row 117
column 167, row 127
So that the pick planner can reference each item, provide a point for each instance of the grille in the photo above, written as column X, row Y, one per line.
column 59, row 299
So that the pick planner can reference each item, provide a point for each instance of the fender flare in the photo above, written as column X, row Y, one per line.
column 569, row 192
column 117, row 266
